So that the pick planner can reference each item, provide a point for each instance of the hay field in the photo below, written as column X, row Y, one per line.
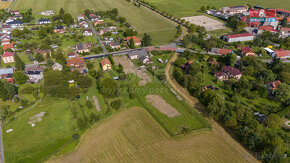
column 5, row 5
column 142, row 20
column 134, row 136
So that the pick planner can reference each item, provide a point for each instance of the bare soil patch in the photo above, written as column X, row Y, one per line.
column 160, row 104
column 129, row 67
column 207, row 22
column 96, row 103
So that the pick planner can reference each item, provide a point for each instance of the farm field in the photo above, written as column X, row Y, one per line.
column 5, row 5
column 141, row 19
column 134, row 136
column 182, row 8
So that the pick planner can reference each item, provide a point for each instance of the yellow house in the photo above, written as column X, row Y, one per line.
column 106, row 64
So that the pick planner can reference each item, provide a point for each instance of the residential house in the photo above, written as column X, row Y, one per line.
column 81, row 17
column 221, row 51
column 232, row 72
column 137, row 54
column 71, row 55
column 44, row 52
column 7, row 74
column 247, row 51
column 59, row 29
column 78, row 64
column 106, row 64
column 186, row 67
column 5, row 40
column 221, row 75
column 57, row 66
column 15, row 24
column 43, row 21
column 8, row 46
column 282, row 54
column 14, row 12
column 137, row 40
column 99, row 21
column 6, row 28
column 239, row 37
column 234, row 10
column 114, row 44
column 47, row 13
column 284, row 32
column 273, row 24
column 17, row 17
column 94, row 17
column 10, row 19
column 83, row 48
column 8, row 57
column 272, row 86
column 269, row 28
column 35, row 73
column 84, row 24
column 146, row 60
column 87, row 32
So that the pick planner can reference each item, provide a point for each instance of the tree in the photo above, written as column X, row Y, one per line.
column 230, row 59
column 192, row 28
column 61, row 11
column 146, row 40
column 112, row 59
column 109, row 88
column 216, row 108
column 274, row 121
column 284, row 22
column 7, row 90
column 202, row 8
column 68, row 19
column 283, row 93
column 19, row 64
column 130, row 32
column 60, row 58
column 116, row 104
column 132, row 44
column 20, row 77
column 39, row 57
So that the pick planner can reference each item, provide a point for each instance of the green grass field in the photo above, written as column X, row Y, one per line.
column 182, row 8
column 134, row 136
column 141, row 20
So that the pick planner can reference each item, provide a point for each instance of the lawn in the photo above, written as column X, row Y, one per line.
column 182, row 8
column 5, row 5
column 134, row 136
column 23, row 57
column 141, row 19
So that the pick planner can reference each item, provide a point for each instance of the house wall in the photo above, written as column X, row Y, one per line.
column 8, row 59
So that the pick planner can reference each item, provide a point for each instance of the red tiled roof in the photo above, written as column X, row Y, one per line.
column 246, row 49
column 267, row 28
column 240, row 35
column 75, row 61
column 135, row 39
column 225, row 51
column 231, row 70
column 8, row 46
column 8, row 54
column 282, row 53
column 105, row 61
column 219, row 73
column 244, row 18
column 285, row 29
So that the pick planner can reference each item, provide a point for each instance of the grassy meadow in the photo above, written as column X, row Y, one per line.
column 5, row 5
column 141, row 19
column 182, row 8
column 134, row 136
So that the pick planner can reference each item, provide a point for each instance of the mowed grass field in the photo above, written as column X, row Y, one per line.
column 134, row 136
column 182, row 8
column 5, row 5
column 141, row 19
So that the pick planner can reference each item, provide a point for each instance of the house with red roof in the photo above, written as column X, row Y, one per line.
column 8, row 46
column 282, row 53
column 77, row 63
column 137, row 40
column 106, row 64
column 272, row 86
column 81, row 17
column 8, row 57
column 239, row 37
column 221, row 51
column 269, row 28
column 247, row 51
column 284, row 32
column 97, row 22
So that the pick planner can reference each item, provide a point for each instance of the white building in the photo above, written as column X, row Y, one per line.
column 47, row 13
column 239, row 37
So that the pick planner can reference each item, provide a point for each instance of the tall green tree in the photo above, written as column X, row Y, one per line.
column 132, row 44
column 19, row 64
column 20, row 77
column 146, row 40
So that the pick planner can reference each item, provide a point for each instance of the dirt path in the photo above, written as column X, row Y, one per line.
column 217, row 129
column 96, row 103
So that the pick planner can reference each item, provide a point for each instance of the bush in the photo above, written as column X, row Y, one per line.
column 89, row 104
column 27, row 90
column 116, row 104
column 75, row 136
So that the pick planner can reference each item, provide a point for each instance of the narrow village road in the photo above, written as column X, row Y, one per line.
column 96, row 35
column 217, row 129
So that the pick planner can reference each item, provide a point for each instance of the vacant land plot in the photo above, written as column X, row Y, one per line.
column 134, row 136
column 5, row 5
column 207, row 22
column 141, row 20
column 160, row 104
column 184, row 8
column 129, row 67
column 96, row 103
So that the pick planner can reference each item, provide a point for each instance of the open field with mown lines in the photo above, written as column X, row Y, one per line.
column 134, row 136
column 182, row 8
column 142, row 20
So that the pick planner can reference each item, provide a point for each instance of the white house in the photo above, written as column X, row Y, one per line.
column 43, row 21
column 47, row 13
column 239, row 37
column 81, row 17
column 87, row 32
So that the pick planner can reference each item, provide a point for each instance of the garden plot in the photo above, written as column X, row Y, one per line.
column 208, row 23
column 129, row 67
column 160, row 104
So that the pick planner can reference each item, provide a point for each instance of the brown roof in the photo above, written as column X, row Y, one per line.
column 219, row 74
column 282, row 53
column 105, row 61
column 75, row 61
column 135, row 39
column 231, row 70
